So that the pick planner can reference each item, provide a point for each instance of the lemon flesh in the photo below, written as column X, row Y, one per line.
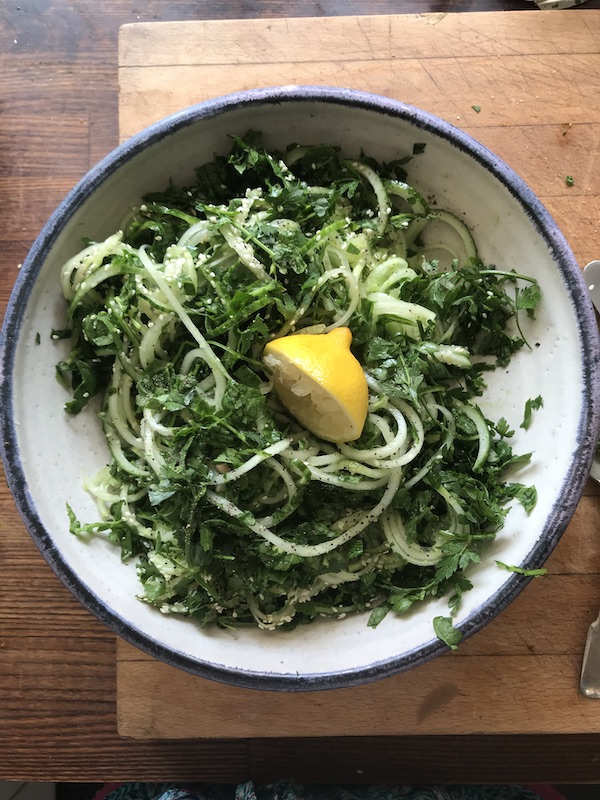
column 320, row 382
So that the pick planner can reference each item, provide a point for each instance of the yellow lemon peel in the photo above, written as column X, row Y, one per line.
column 320, row 382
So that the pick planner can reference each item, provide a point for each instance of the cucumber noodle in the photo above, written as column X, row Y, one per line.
column 235, row 513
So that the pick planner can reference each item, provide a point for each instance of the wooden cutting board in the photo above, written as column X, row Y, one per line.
column 527, row 85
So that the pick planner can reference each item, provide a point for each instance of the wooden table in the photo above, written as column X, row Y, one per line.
column 58, row 116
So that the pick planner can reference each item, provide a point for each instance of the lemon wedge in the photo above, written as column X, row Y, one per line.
column 320, row 382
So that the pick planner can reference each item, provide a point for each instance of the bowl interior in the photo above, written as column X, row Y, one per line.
column 55, row 451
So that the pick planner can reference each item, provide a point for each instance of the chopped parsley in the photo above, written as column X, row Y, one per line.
column 533, row 404
column 446, row 632
column 530, row 573
column 234, row 513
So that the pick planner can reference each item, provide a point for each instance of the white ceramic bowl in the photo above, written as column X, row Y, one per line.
column 47, row 453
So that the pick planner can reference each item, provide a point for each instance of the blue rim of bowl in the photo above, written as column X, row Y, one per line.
column 561, row 253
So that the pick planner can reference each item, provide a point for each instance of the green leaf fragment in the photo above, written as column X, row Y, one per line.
column 446, row 632
column 531, row 405
column 377, row 615
column 530, row 573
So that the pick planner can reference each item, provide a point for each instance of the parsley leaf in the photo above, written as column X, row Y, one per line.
column 531, row 405
column 530, row 573
column 446, row 632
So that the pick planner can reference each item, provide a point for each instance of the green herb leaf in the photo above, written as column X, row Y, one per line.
column 531, row 405
column 530, row 573
column 446, row 632
column 377, row 615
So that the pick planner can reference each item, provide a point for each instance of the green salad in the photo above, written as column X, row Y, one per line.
column 233, row 511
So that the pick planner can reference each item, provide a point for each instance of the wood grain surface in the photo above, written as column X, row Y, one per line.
column 534, row 77
column 58, row 116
